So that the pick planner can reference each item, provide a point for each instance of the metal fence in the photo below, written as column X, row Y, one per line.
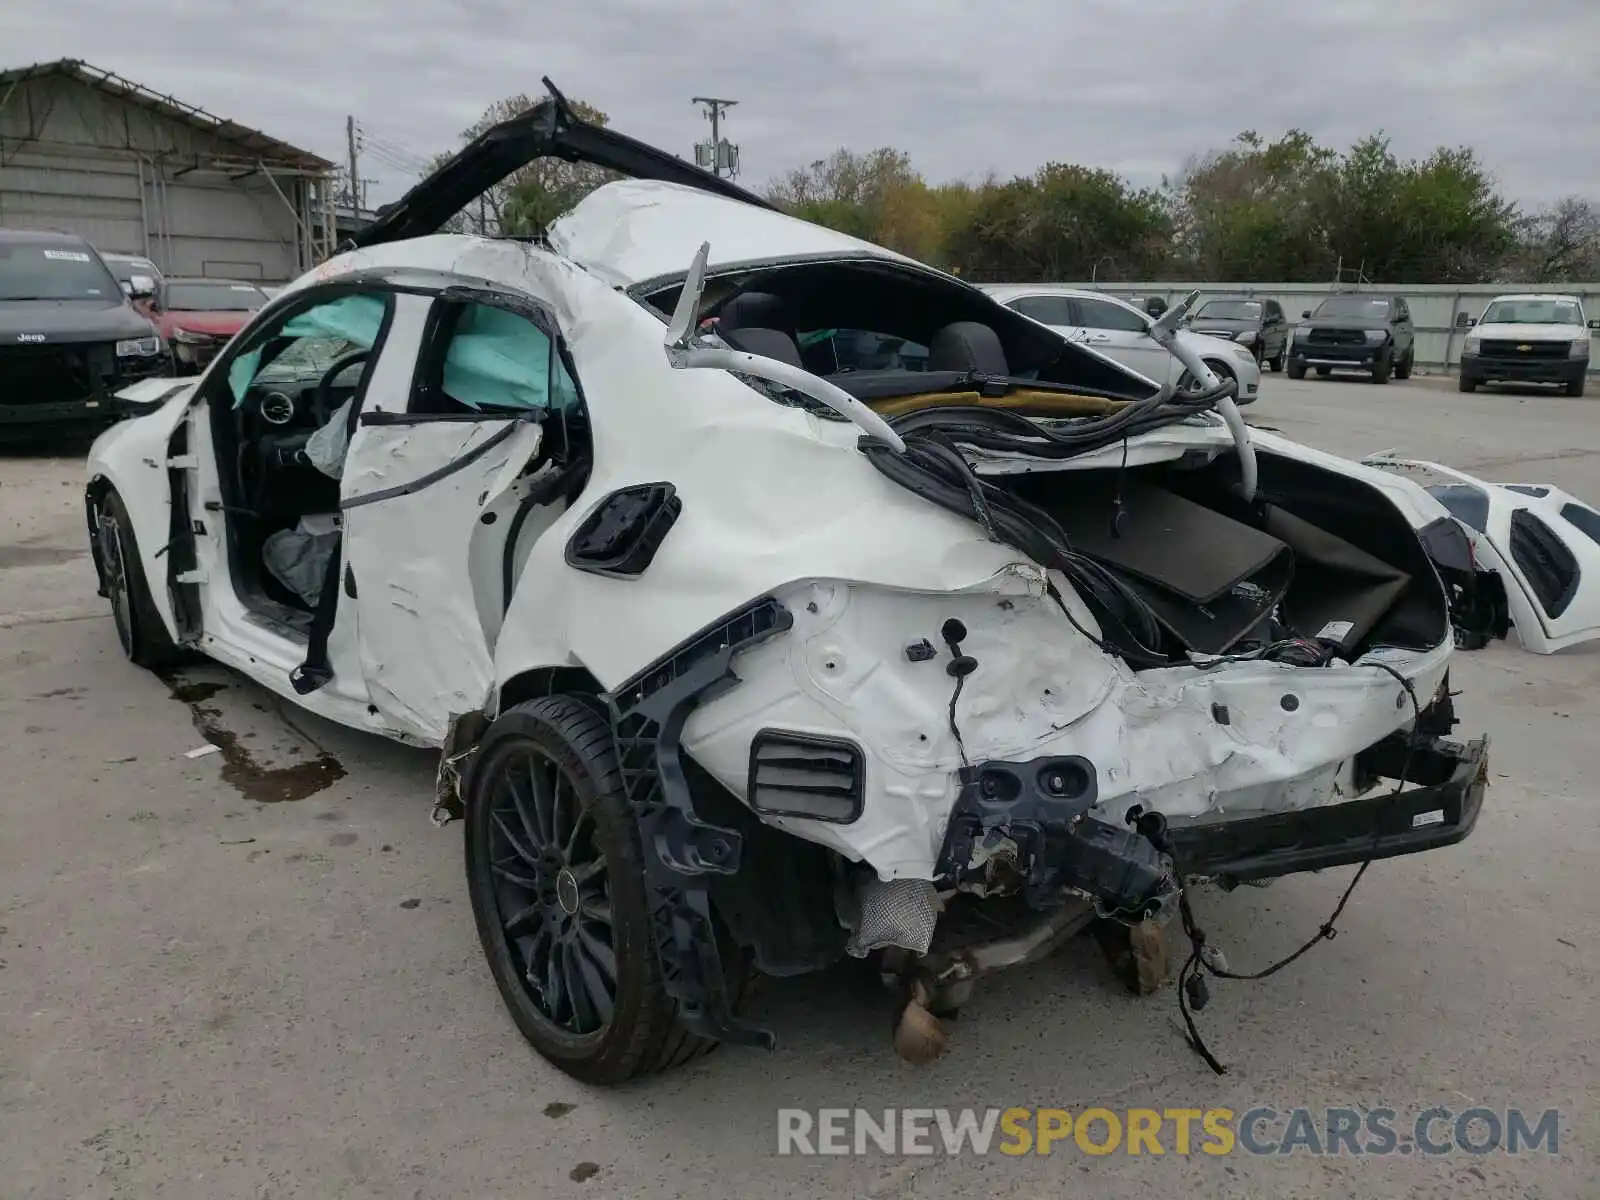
column 1440, row 311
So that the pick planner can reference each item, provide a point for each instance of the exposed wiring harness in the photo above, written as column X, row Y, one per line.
column 934, row 467
column 1192, row 992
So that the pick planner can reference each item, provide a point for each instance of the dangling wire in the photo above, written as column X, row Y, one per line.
column 1191, row 981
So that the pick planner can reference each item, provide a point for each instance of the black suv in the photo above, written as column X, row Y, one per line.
column 1356, row 331
column 1257, row 324
column 69, row 338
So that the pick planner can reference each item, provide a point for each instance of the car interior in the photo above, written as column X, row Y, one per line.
column 285, row 409
column 881, row 331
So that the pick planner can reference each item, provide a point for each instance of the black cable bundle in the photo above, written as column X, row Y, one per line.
column 934, row 467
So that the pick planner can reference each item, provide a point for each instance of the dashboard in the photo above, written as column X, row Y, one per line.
column 286, row 403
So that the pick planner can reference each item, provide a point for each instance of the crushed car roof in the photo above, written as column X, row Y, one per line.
column 638, row 230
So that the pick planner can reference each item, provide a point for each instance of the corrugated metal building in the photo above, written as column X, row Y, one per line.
column 136, row 172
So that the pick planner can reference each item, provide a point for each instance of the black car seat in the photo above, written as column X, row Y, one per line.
column 759, row 323
column 969, row 347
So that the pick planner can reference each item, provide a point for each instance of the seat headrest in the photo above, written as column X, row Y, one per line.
column 769, row 343
column 968, row 346
column 755, row 310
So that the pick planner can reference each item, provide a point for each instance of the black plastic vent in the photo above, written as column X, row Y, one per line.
column 802, row 775
column 621, row 536
column 1551, row 569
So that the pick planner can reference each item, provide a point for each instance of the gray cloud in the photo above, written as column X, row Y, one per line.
column 965, row 88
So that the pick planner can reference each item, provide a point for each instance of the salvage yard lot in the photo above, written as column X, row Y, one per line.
column 254, row 973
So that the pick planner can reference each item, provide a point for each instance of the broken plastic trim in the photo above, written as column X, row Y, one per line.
column 680, row 850
column 683, row 354
column 1030, row 819
column 620, row 537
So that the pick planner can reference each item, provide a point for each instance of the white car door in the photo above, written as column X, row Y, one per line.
column 429, row 496
column 1052, row 309
column 1123, row 334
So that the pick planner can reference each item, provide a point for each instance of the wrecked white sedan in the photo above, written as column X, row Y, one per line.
column 749, row 644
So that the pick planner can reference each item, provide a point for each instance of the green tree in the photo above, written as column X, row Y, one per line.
column 878, row 196
column 1063, row 222
column 526, row 201
column 1440, row 220
column 1247, row 212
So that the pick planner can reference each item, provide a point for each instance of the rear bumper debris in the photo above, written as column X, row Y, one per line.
column 1440, row 813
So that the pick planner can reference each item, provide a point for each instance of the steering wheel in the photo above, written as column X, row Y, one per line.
column 321, row 406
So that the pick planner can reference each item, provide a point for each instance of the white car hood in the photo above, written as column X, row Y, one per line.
column 1530, row 333
column 638, row 229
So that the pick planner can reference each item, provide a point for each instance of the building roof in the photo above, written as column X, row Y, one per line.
column 252, row 143
column 40, row 237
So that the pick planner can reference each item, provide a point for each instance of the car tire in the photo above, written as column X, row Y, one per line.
column 1297, row 370
column 1575, row 388
column 1466, row 383
column 1276, row 362
column 140, row 629
column 1383, row 368
column 569, row 904
column 1225, row 373
column 1402, row 369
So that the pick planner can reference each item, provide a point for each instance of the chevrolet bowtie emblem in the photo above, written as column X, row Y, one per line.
column 1524, row 347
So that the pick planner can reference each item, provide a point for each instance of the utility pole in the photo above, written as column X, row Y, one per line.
column 355, row 174
column 717, row 153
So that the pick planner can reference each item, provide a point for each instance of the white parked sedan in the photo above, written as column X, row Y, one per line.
column 750, row 638
column 1122, row 332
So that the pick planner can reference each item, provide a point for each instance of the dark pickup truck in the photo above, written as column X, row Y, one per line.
column 69, row 338
column 1356, row 331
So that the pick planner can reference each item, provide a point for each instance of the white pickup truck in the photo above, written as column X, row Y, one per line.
column 1528, row 339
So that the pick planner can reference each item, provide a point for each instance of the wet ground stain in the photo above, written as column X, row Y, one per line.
column 264, row 785
column 38, row 556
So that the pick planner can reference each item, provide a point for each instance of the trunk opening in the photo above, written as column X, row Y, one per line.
column 1319, row 555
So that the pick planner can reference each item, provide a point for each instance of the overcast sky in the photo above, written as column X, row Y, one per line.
column 1136, row 86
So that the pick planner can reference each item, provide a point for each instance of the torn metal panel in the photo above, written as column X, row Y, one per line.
column 425, row 652
column 636, row 230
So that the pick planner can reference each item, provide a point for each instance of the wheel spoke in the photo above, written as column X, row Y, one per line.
column 543, row 800
column 591, row 999
column 535, row 963
column 521, row 851
column 555, row 990
column 599, row 954
column 529, row 915
column 522, row 881
column 559, row 814
column 581, row 822
column 597, row 909
column 584, row 872
column 527, row 806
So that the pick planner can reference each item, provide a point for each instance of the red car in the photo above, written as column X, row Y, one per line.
column 196, row 317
